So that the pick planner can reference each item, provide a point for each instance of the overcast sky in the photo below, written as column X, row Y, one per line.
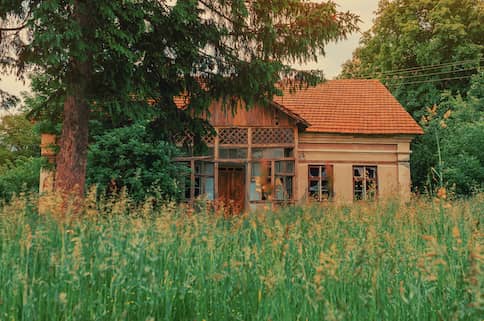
column 336, row 53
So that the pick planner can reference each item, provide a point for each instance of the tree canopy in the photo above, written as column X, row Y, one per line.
column 420, row 48
column 109, row 57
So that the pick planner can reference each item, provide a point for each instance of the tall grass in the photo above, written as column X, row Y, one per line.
column 368, row 262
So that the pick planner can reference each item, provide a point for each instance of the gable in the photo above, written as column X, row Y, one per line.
column 272, row 115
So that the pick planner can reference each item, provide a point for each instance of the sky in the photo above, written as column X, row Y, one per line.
column 336, row 53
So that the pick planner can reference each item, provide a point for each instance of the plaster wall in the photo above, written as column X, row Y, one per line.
column 389, row 154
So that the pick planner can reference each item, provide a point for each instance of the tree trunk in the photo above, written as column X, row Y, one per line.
column 72, row 157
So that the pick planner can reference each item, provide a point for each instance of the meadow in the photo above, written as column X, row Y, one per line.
column 379, row 261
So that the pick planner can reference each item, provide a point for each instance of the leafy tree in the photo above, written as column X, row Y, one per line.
column 109, row 57
column 18, row 138
column 132, row 157
column 419, row 48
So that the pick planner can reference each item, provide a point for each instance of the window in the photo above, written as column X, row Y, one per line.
column 284, row 173
column 320, row 184
column 260, row 182
column 365, row 185
column 272, row 180
column 271, row 153
column 233, row 153
column 204, row 180
column 203, row 183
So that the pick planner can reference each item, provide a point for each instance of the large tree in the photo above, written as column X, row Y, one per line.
column 419, row 48
column 110, row 57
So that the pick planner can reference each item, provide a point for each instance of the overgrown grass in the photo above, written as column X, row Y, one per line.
column 422, row 261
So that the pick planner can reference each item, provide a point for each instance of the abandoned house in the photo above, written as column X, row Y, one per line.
column 340, row 141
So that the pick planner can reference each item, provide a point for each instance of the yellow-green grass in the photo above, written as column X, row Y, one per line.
column 382, row 261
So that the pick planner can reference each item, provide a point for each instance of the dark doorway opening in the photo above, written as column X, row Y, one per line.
column 231, row 187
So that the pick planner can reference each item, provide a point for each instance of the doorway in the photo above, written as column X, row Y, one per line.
column 231, row 187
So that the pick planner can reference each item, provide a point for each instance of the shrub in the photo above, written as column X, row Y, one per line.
column 20, row 175
column 130, row 157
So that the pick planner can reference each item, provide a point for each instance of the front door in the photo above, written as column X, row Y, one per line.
column 231, row 187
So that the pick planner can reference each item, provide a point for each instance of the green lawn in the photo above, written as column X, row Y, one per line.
column 421, row 261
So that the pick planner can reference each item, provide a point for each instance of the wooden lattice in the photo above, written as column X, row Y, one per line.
column 273, row 136
column 233, row 136
column 209, row 140
column 184, row 139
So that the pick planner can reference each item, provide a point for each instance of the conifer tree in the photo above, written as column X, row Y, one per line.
column 112, row 57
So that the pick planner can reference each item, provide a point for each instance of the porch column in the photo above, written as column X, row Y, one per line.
column 47, row 173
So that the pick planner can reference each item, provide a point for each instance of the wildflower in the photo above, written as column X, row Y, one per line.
column 443, row 124
column 442, row 193
column 428, row 238
column 447, row 114
column 63, row 297
column 456, row 232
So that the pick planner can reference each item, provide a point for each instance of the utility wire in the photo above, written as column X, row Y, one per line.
column 396, row 77
column 430, row 80
column 420, row 68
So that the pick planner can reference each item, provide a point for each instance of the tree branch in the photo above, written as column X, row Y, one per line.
column 14, row 28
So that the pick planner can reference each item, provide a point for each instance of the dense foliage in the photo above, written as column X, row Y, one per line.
column 426, row 52
column 131, row 157
column 19, row 176
column 18, row 138
column 382, row 262
column 455, row 131
column 19, row 156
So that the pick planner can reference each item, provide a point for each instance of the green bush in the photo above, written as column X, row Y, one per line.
column 131, row 157
column 19, row 176
column 456, row 125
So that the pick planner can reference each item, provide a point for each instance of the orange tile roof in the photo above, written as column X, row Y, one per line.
column 350, row 106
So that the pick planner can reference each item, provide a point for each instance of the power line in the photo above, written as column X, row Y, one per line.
column 421, row 68
column 430, row 67
column 431, row 80
column 431, row 74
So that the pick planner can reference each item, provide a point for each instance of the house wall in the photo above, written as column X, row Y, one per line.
column 256, row 116
column 389, row 154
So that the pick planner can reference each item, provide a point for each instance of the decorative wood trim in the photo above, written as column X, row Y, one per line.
column 215, row 180
column 272, row 145
column 190, row 158
column 295, row 191
column 323, row 162
column 355, row 151
column 192, row 180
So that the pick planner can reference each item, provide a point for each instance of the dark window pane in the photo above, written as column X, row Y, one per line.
column 314, row 171
column 371, row 172
column 357, row 171
column 286, row 167
column 233, row 153
column 187, row 187
column 203, row 168
column 288, row 152
column 267, row 153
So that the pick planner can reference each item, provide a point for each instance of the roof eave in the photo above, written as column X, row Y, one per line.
column 299, row 120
